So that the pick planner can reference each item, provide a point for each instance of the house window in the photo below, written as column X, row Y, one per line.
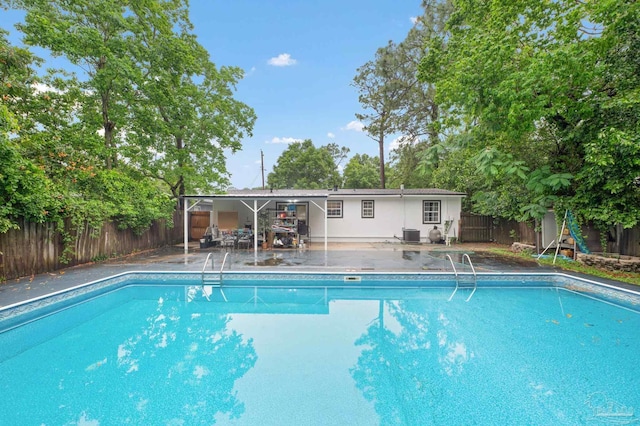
column 430, row 211
column 367, row 208
column 334, row 208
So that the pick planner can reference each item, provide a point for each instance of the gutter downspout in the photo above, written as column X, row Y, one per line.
column 326, row 226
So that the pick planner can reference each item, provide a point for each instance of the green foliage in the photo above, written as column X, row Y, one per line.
column 187, row 109
column 151, row 116
column 338, row 153
column 152, row 91
column 139, row 205
column 96, row 36
column 361, row 172
column 303, row 166
column 547, row 93
column 380, row 87
column 406, row 167
column 607, row 193
column 396, row 102
column 132, row 202
column 24, row 188
column 25, row 191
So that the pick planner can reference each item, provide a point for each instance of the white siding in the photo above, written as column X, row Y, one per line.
column 391, row 216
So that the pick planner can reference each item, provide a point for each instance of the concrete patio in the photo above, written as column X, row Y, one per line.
column 340, row 257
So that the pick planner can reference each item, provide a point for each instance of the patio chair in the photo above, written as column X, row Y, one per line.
column 246, row 241
column 229, row 241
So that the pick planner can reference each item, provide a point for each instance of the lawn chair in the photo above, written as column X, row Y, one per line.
column 245, row 241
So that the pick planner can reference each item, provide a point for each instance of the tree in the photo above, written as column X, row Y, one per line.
column 303, row 166
column 96, row 35
column 424, row 143
column 418, row 112
column 25, row 190
column 406, row 165
column 380, row 87
column 537, row 88
column 163, row 107
column 400, row 102
column 607, row 189
column 61, row 158
column 361, row 172
column 339, row 153
column 184, row 113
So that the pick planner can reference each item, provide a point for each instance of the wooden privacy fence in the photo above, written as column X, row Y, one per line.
column 509, row 231
column 37, row 248
column 483, row 229
column 626, row 242
column 629, row 242
column 475, row 228
column 478, row 229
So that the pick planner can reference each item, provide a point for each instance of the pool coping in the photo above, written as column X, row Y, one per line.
column 607, row 292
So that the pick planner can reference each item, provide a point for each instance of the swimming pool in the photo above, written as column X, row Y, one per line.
column 159, row 348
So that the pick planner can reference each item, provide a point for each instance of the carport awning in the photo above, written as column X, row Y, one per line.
column 261, row 194
column 254, row 196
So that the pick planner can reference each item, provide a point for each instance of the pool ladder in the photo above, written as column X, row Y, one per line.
column 210, row 279
column 462, row 283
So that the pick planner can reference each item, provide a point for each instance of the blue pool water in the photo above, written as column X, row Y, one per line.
column 361, row 355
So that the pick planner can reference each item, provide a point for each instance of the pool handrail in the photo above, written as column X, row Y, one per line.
column 205, row 265
column 457, row 276
column 455, row 272
column 224, row 260
column 475, row 276
column 206, row 261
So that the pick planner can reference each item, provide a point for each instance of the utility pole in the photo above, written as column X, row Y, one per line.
column 262, row 167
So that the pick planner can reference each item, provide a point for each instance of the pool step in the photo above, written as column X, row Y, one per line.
column 207, row 290
column 211, row 278
column 466, row 280
column 462, row 280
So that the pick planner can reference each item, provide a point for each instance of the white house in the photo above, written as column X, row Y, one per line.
column 337, row 215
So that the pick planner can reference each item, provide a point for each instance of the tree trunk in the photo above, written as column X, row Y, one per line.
column 381, row 144
column 108, row 129
column 107, row 124
column 433, row 116
column 180, row 147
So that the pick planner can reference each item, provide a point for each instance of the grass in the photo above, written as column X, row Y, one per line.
column 568, row 265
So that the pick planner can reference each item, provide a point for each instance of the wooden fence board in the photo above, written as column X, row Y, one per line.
column 475, row 228
column 631, row 242
column 37, row 248
column 478, row 228
column 510, row 231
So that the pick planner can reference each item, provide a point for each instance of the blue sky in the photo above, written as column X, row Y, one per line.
column 300, row 57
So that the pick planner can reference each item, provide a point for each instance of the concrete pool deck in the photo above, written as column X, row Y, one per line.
column 340, row 257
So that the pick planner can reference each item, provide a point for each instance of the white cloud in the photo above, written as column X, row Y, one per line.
column 354, row 125
column 282, row 60
column 414, row 19
column 402, row 140
column 43, row 88
column 331, row 135
column 251, row 71
column 284, row 140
